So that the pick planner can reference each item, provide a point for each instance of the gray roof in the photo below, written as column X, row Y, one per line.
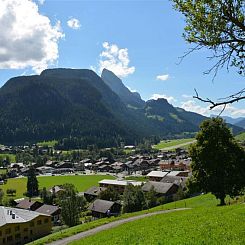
column 26, row 203
column 159, row 174
column 120, row 182
column 174, row 179
column 95, row 190
column 47, row 209
column 159, row 187
column 18, row 215
column 101, row 206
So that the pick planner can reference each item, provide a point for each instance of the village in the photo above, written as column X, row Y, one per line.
column 163, row 173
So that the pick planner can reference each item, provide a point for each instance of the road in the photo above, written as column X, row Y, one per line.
column 113, row 224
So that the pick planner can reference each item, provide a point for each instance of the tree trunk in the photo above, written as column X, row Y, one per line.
column 222, row 201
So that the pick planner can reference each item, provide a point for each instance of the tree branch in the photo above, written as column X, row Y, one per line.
column 228, row 100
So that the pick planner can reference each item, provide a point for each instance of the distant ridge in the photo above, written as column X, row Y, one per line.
column 80, row 106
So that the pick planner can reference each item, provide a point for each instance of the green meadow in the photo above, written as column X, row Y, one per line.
column 241, row 136
column 11, row 157
column 215, row 225
column 81, row 182
column 172, row 143
column 202, row 206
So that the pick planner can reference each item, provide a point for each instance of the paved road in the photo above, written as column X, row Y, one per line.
column 109, row 226
column 177, row 146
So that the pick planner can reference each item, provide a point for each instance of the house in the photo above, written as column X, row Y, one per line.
column 178, row 180
column 28, row 204
column 52, row 210
column 156, row 175
column 93, row 192
column 19, row 226
column 102, row 208
column 161, row 188
column 118, row 185
column 45, row 170
column 56, row 190
column 66, row 164
column 179, row 173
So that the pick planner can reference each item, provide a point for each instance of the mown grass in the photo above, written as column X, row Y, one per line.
column 50, row 143
column 215, row 225
column 137, row 178
column 170, row 143
column 81, row 182
column 12, row 157
column 195, row 202
column 3, row 170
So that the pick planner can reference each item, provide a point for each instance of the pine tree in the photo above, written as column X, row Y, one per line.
column 32, row 183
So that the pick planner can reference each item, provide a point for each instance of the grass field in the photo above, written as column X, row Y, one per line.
column 241, row 137
column 3, row 170
column 81, row 182
column 199, row 202
column 216, row 225
column 137, row 178
column 11, row 157
column 172, row 143
column 50, row 143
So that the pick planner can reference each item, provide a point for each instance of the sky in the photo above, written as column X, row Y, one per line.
column 140, row 41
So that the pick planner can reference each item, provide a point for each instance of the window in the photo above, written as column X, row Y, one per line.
column 3, row 240
column 17, row 236
column 25, row 229
column 9, row 238
column 31, row 232
column 17, row 228
column 39, row 222
column 46, row 220
column 0, row 233
column 32, row 224
column 8, row 231
column 25, row 237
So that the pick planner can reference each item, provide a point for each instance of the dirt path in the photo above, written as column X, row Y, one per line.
column 109, row 226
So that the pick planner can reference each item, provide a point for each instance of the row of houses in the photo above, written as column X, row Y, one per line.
column 165, row 184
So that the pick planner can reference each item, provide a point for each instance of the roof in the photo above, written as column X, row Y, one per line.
column 101, row 206
column 174, row 179
column 159, row 174
column 175, row 173
column 14, row 215
column 159, row 187
column 26, row 204
column 120, row 182
column 94, row 190
column 47, row 209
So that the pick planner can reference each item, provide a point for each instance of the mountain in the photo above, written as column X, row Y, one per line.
column 78, row 108
column 231, row 120
column 241, row 123
column 116, row 85
column 62, row 103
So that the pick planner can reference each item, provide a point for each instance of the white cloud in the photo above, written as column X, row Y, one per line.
column 41, row 2
column 163, row 77
column 191, row 105
column 116, row 60
column 27, row 38
column 187, row 96
column 170, row 99
column 74, row 23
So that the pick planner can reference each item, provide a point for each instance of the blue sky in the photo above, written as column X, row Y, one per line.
column 141, row 41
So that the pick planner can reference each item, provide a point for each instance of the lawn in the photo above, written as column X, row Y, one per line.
column 137, row 178
column 241, row 136
column 50, row 143
column 3, row 170
column 81, row 182
column 215, row 225
column 172, row 143
column 11, row 157
column 199, row 202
